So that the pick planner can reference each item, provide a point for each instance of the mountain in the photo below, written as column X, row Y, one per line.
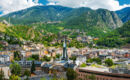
column 24, row 32
column 125, row 30
column 38, row 14
column 5, row 37
column 94, row 18
column 3, row 27
column 83, row 18
column 124, row 14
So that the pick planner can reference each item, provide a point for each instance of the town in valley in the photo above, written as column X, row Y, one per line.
column 64, row 40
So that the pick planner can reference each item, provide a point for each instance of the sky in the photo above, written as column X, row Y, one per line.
column 122, row 2
column 8, row 6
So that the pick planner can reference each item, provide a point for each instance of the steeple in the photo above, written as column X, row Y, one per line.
column 64, row 55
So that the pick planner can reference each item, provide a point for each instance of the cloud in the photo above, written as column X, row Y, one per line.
column 94, row 4
column 7, row 6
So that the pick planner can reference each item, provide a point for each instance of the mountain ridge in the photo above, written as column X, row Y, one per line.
column 71, row 18
column 124, row 14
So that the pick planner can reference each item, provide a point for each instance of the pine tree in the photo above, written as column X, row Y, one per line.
column 33, row 67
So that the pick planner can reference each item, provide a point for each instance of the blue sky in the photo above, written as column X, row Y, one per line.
column 43, row 2
column 122, row 2
column 0, row 12
column 7, row 6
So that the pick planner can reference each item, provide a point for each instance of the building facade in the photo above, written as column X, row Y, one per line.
column 4, row 58
column 85, row 75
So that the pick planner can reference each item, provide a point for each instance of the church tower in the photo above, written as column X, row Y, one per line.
column 64, row 55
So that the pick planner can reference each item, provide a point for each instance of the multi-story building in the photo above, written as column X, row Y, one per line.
column 6, row 71
column 84, row 74
column 4, row 58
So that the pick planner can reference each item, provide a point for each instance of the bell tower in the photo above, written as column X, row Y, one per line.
column 64, row 55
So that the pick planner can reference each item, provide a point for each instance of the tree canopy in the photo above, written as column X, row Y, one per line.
column 15, row 68
column 109, row 62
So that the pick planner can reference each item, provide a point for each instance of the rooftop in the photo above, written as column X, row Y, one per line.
column 101, row 69
column 4, row 56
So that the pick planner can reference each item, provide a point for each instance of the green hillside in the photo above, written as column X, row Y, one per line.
column 38, row 14
column 125, row 30
column 45, row 23
column 124, row 14
column 116, row 38
column 7, row 36
column 79, row 18
column 3, row 27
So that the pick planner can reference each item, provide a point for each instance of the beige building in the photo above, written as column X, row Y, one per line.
column 6, row 71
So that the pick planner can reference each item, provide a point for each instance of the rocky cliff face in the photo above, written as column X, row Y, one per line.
column 81, row 17
column 102, row 19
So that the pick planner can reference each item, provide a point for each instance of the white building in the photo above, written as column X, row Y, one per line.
column 80, row 60
column 23, row 53
column 4, row 58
